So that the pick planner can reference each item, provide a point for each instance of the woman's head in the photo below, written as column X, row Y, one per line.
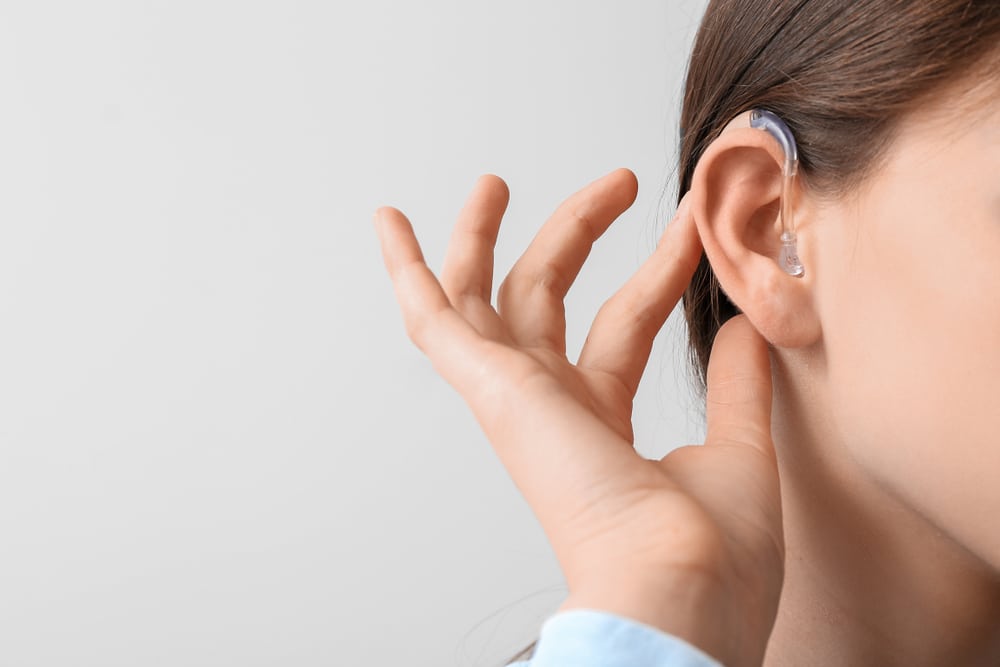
column 895, row 327
column 841, row 73
column 894, row 330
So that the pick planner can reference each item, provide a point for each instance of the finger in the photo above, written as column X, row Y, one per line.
column 448, row 340
column 738, row 406
column 496, row 382
column 467, row 275
column 530, row 299
column 622, row 334
column 468, row 263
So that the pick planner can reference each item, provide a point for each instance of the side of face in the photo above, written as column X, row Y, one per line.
column 908, row 297
column 896, row 323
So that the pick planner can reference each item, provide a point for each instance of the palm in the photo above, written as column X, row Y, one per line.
column 601, row 393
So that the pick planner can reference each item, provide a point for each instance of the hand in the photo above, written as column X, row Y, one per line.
column 691, row 543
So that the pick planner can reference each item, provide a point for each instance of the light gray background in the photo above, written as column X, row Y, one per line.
column 217, row 445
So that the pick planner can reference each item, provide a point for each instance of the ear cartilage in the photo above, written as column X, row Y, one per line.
column 761, row 119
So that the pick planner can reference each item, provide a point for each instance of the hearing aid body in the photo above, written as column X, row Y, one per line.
column 768, row 121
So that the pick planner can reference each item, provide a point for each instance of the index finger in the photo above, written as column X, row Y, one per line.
column 622, row 334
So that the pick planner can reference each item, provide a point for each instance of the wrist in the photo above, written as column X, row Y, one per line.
column 691, row 607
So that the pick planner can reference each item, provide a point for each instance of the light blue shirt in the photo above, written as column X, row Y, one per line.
column 592, row 638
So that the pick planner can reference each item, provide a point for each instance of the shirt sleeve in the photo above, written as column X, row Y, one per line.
column 593, row 638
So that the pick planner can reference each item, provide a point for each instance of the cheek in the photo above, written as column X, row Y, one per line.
column 912, row 334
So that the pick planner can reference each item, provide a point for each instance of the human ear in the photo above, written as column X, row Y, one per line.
column 735, row 199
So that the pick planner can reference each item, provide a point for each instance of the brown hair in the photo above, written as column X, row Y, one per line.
column 840, row 73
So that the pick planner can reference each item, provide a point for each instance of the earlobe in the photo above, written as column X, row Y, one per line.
column 736, row 194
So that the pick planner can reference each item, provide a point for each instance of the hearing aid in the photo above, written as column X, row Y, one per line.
column 761, row 119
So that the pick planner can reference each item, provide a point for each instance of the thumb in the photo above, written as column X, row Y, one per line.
column 738, row 402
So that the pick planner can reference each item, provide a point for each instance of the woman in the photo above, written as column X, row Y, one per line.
column 869, row 385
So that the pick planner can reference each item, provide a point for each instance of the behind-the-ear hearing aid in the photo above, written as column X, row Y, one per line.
column 761, row 119
column 788, row 258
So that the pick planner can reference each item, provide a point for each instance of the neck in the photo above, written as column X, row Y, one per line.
column 868, row 581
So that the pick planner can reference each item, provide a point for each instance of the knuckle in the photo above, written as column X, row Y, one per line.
column 546, row 276
column 582, row 221
column 736, row 433
column 577, row 216
column 737, row 389
column 551, row 278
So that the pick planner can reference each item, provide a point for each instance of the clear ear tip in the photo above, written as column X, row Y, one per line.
column 789, row 258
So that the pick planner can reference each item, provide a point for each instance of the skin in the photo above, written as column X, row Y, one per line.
column 886, row 376
column 879, row 546
column 690, row 544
